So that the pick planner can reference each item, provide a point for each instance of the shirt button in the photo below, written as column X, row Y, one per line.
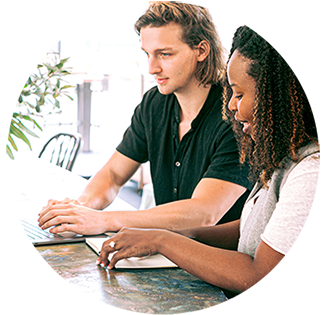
column 178, row 164
column 175, row 190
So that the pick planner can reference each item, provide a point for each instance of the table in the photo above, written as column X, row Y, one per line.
column 165, row 291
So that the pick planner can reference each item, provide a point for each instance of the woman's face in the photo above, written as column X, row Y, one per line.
column 244, row 88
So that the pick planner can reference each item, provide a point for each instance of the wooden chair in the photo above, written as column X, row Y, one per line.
column 62, row 149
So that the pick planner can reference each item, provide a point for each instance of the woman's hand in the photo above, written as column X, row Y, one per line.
column 69, row 215
column 128, row 243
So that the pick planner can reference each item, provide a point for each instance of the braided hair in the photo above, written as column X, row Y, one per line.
column 283, row 119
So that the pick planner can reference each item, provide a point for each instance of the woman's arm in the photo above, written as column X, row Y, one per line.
column 223, row 236
column 228, row 269
column 224, row 268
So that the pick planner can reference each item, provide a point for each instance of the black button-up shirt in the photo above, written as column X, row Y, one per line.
column 207, row 150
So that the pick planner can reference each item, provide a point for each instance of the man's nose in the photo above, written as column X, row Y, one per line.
column 154, row 65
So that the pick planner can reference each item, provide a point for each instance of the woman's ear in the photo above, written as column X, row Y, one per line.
column 203, row 49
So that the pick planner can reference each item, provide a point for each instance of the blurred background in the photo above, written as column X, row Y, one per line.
column 109, row 64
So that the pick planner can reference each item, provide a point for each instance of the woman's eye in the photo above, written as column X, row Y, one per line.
column 239, row 97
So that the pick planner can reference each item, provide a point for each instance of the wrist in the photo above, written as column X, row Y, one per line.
column 89, row 202
column 161, row 240
column 84, row 200
column 112, row 220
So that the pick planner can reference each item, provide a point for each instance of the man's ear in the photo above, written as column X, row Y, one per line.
column 203, row 49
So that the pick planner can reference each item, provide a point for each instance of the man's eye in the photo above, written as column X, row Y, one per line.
column 165, row 55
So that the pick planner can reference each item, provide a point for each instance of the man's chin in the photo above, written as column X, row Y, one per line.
column 164, row 91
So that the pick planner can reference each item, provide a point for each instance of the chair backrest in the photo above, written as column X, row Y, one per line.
column 62, row 149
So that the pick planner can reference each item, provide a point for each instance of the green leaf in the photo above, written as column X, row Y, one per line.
column 65, row 60
column 59, row 65
column 30, row 105
column 12, row 142
column 46, row 86
column 41, row 100
column 9, row 123
column 19, row 134
column 67, row 87
column 26, row 93
column 65, row 72
column 9, row 152
column 32, row 120
column 71, row 98
column 21, row 126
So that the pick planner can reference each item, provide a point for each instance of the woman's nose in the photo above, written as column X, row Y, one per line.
column 232, row 105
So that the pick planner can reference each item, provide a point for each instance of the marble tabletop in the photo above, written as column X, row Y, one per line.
column 145, row 291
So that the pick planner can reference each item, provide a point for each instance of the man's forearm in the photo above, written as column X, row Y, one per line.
column 103, row 187
column 99, row 192
column 182, row 214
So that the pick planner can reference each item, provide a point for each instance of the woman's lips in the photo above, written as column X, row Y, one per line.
column 246, row 127
column 245, row 124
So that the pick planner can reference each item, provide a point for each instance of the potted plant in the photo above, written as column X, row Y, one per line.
column 40, row 96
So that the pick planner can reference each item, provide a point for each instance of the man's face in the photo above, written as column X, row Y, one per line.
column 171, row 61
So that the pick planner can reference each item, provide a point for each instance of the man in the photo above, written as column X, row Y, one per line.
column 178, row 127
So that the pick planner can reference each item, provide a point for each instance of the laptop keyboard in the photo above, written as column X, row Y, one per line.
column 34, row 231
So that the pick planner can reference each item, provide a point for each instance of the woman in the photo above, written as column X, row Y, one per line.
column 277, row 134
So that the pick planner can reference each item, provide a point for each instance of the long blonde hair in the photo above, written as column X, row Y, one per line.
column 197, row 26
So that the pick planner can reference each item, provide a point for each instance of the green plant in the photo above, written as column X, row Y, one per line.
column 41, row 93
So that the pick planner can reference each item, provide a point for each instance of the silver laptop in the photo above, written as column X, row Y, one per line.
column 43, row 237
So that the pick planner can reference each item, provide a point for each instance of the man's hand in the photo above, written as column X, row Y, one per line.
column 129, row 243
column 52, row 202
column 69, row 215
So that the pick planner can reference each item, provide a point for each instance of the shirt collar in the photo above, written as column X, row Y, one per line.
column 208, row 104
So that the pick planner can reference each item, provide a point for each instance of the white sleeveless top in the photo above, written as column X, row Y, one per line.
column 277, row 215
